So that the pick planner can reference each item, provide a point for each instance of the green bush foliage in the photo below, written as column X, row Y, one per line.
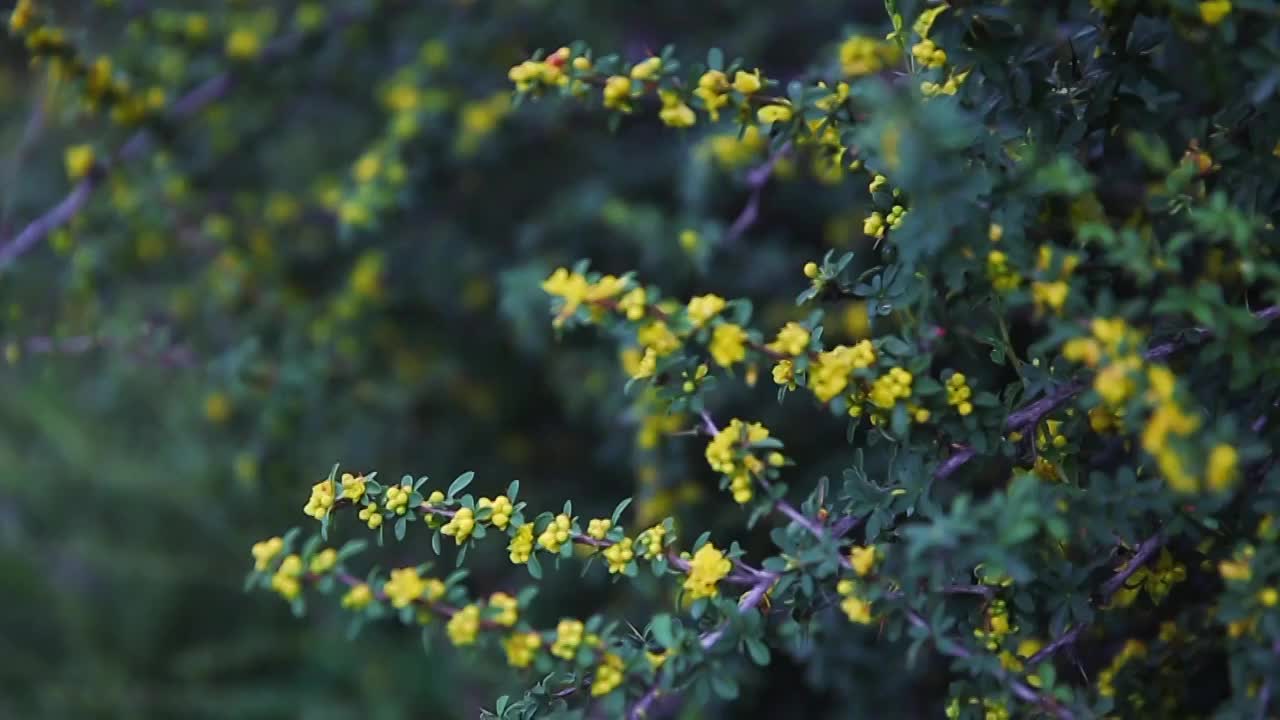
column 919, row 361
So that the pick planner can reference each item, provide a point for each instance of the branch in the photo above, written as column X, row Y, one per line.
column 749, row 601
column 138, row 144
column 757, row 178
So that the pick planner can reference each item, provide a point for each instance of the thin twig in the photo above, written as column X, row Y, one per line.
column 757, row 178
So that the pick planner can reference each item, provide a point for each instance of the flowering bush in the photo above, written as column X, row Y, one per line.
column 1008, row 451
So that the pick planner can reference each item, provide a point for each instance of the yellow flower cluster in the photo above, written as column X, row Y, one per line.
column 324, row 561
column 597, row 528
column 533, row 74
column 703, row 308
column 728, row 344
column 266, row 551
column 675, row 112
column 406, row 586
column 855, row 608
column 508, row 609
column 784, row 373
column 358, row 597
column 557, row 533
column 288, row 577
column 1133, row 649
column 707, row 568
column 521, row 546
column 928, row 54
column 829, row 375
column 1240, row 567
column 713, row 90
column 997, row 626
column 618, row 555
column 958, row 393
column 651, row 542
column 608, row 675
column 353, row 486
column 79, row 160
column 1213, row 12
column 372, row 516
column 461, row 525
column 321, row 500
column 397, row 499
column 792, row 340
column 1157, row 580
column 522, row 648
column 861, row 55
column 1002, row 278
column 568, row 637
column 501, row 510
column 729, row 453
column 889, row 388
column 464, row 626
column 863, row 559
column 574, row 289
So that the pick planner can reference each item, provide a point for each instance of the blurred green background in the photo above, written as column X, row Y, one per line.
column 338, row 261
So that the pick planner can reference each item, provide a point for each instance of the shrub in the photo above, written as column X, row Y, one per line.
column 1009, row 452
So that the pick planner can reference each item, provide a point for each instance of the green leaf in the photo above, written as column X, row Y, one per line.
column 724, row 685
column 460, row 484
column 535, row 567
column 617, row 511
column 401, row 525
column 663, row 631
column 715, row 59
column 758, row 650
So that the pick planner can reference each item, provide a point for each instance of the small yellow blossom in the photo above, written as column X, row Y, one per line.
column 324, row 561
column 243, row 44
column 747, row 83
column 508, row 609
column 404, row 587
column 568, row 638
column 521, row 547
column 704, row 307
column 1213, row 12
column 863, row 559
column 460, row 525
column 646, row 69
column 1223, row 462
column 353, row 486
column 774, row 114
column 501, row 510
column 793, row 340
column 707, row 568
column 619, row 555
column 266, row 551
column 358, row 597
column 522, row 648
column 728, row 344
column 556, row 534
column 464, row 626
column 599, row 527
column 608, row 675
column 79, row 161
column 321, row 500
column 286, row 580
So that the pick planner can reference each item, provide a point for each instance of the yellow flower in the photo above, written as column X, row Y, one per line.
column 1268, row 597
column 874, row 225
column 861, row 55
column 651, row 541
column 266, row 551
column 829, row 375
column 568, row 638
column 928, row 54
column 371, row 516
column 1113, row 384
column 507, row 607
column 286, row 581
column 708, row 567
column 863, row 559
column 1213, row 12
column 675, row 112
column 1221, row 473
column 617, row 93
column 397, row 499
column 321, row 500
column 599, row 527
column 324, row 561
column 556, row 534
column 656, row 336
column 704, row 307
column 23, row 12
column 793, row 340
column 353, row 486
column 728, row 344
column 358, row 597
column 460, row 525
column 1236, row 570
column 646, row 69
column 1050, row 294
column 79, row 160
column 522, row 648
column 521, row 546
column 784, row 374
column 404, row 587
column 608, row 675
column 243, row 44
column 464, row 625
column 774, row 114
column 619, row 555
column 501, row 507
column 633, row 304
column 747, row 83
column 857, row 610
column 570, row 286
column 887, row 389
